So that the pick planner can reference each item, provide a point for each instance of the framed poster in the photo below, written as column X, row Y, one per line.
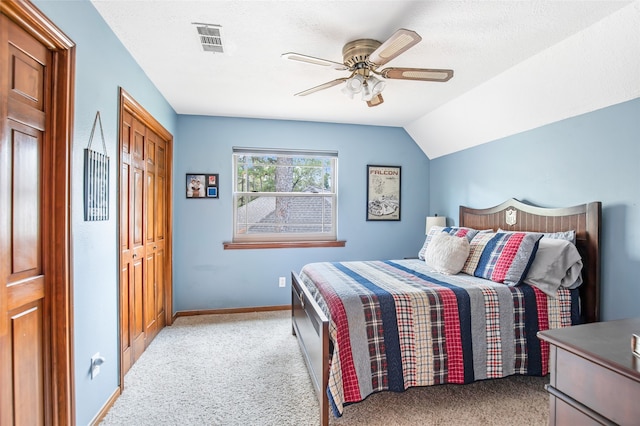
column 202, row 185
column 383, row 192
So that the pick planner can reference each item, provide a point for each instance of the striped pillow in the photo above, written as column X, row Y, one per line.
column 458, row 231
column 503, row 257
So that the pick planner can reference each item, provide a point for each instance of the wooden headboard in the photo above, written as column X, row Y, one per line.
column 584, row 219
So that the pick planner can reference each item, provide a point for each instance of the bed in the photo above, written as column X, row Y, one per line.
column 445, row 328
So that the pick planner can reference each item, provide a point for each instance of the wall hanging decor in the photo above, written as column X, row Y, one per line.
column 96, row 178
column 202, row 185
column 383, row 192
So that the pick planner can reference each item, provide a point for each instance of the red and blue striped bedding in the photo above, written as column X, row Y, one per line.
column 394, row 325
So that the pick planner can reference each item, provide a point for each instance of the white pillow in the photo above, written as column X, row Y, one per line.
column 459, row 231
column 447, row 253
column 557, row 264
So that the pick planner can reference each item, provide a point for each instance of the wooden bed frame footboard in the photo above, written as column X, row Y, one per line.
column 311, row 326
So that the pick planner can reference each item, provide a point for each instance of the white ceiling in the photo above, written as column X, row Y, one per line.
column 479, row 40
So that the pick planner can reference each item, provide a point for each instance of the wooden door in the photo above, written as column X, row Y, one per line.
column 155, row 233
column 161, row 229
column 132, row 248
column 144, row 232
column 137, row 238
column 35, row 310
column 23, row 275
column 151, row 261
column 126, row 270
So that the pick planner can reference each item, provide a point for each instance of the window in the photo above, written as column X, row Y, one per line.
column 284, row 195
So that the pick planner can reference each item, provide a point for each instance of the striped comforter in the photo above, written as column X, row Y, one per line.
column 394, row 324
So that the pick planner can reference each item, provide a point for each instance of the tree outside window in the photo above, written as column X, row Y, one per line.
column 284, row 195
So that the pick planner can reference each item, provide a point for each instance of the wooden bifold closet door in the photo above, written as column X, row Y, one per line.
column 145, row 294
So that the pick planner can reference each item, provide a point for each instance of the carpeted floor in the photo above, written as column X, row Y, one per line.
column 247, row 369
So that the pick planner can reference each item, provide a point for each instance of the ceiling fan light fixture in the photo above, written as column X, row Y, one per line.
column 376, row 85
column 355, row 83
column 346, row 91
column 369, row 87
column 366, row 92
column 363, row 58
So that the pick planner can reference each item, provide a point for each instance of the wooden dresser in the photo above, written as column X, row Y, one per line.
column 595, row 378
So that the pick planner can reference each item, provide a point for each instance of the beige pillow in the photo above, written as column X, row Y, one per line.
column 447, row 253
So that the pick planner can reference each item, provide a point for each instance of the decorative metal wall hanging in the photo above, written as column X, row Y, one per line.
column 96, row 178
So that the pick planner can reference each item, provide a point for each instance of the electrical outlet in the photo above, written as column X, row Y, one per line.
column 282, row 282
column 96, row 362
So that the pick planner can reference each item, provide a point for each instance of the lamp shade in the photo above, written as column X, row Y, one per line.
column 435, row 221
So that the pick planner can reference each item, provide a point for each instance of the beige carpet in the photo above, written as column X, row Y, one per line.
column 247, row 369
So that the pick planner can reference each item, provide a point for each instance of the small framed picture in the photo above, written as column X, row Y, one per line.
column 212, row 186
column 196, row 184
column 202, row 185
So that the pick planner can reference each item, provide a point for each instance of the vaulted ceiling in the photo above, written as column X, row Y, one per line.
column 512, row 61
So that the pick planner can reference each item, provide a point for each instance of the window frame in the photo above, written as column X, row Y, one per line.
column 276, row 239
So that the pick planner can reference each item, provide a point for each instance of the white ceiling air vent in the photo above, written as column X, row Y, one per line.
column 210, row 37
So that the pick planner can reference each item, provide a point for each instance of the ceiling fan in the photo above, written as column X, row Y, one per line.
column 363, row 57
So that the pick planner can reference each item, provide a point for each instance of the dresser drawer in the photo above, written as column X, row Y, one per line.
column 606, row 392
column 565, row 414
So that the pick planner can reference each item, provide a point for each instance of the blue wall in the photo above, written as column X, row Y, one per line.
column 592, row 157
column 102, row 66
column 208, row 277
column 205, row 276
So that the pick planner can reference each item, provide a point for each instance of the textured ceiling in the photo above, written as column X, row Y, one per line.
column 479, row 40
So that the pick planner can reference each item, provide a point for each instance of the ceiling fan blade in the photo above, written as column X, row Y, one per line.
column 401, row 41
column 375, row 101
column 422, row 74
column 313, row 60
column 321, row 87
